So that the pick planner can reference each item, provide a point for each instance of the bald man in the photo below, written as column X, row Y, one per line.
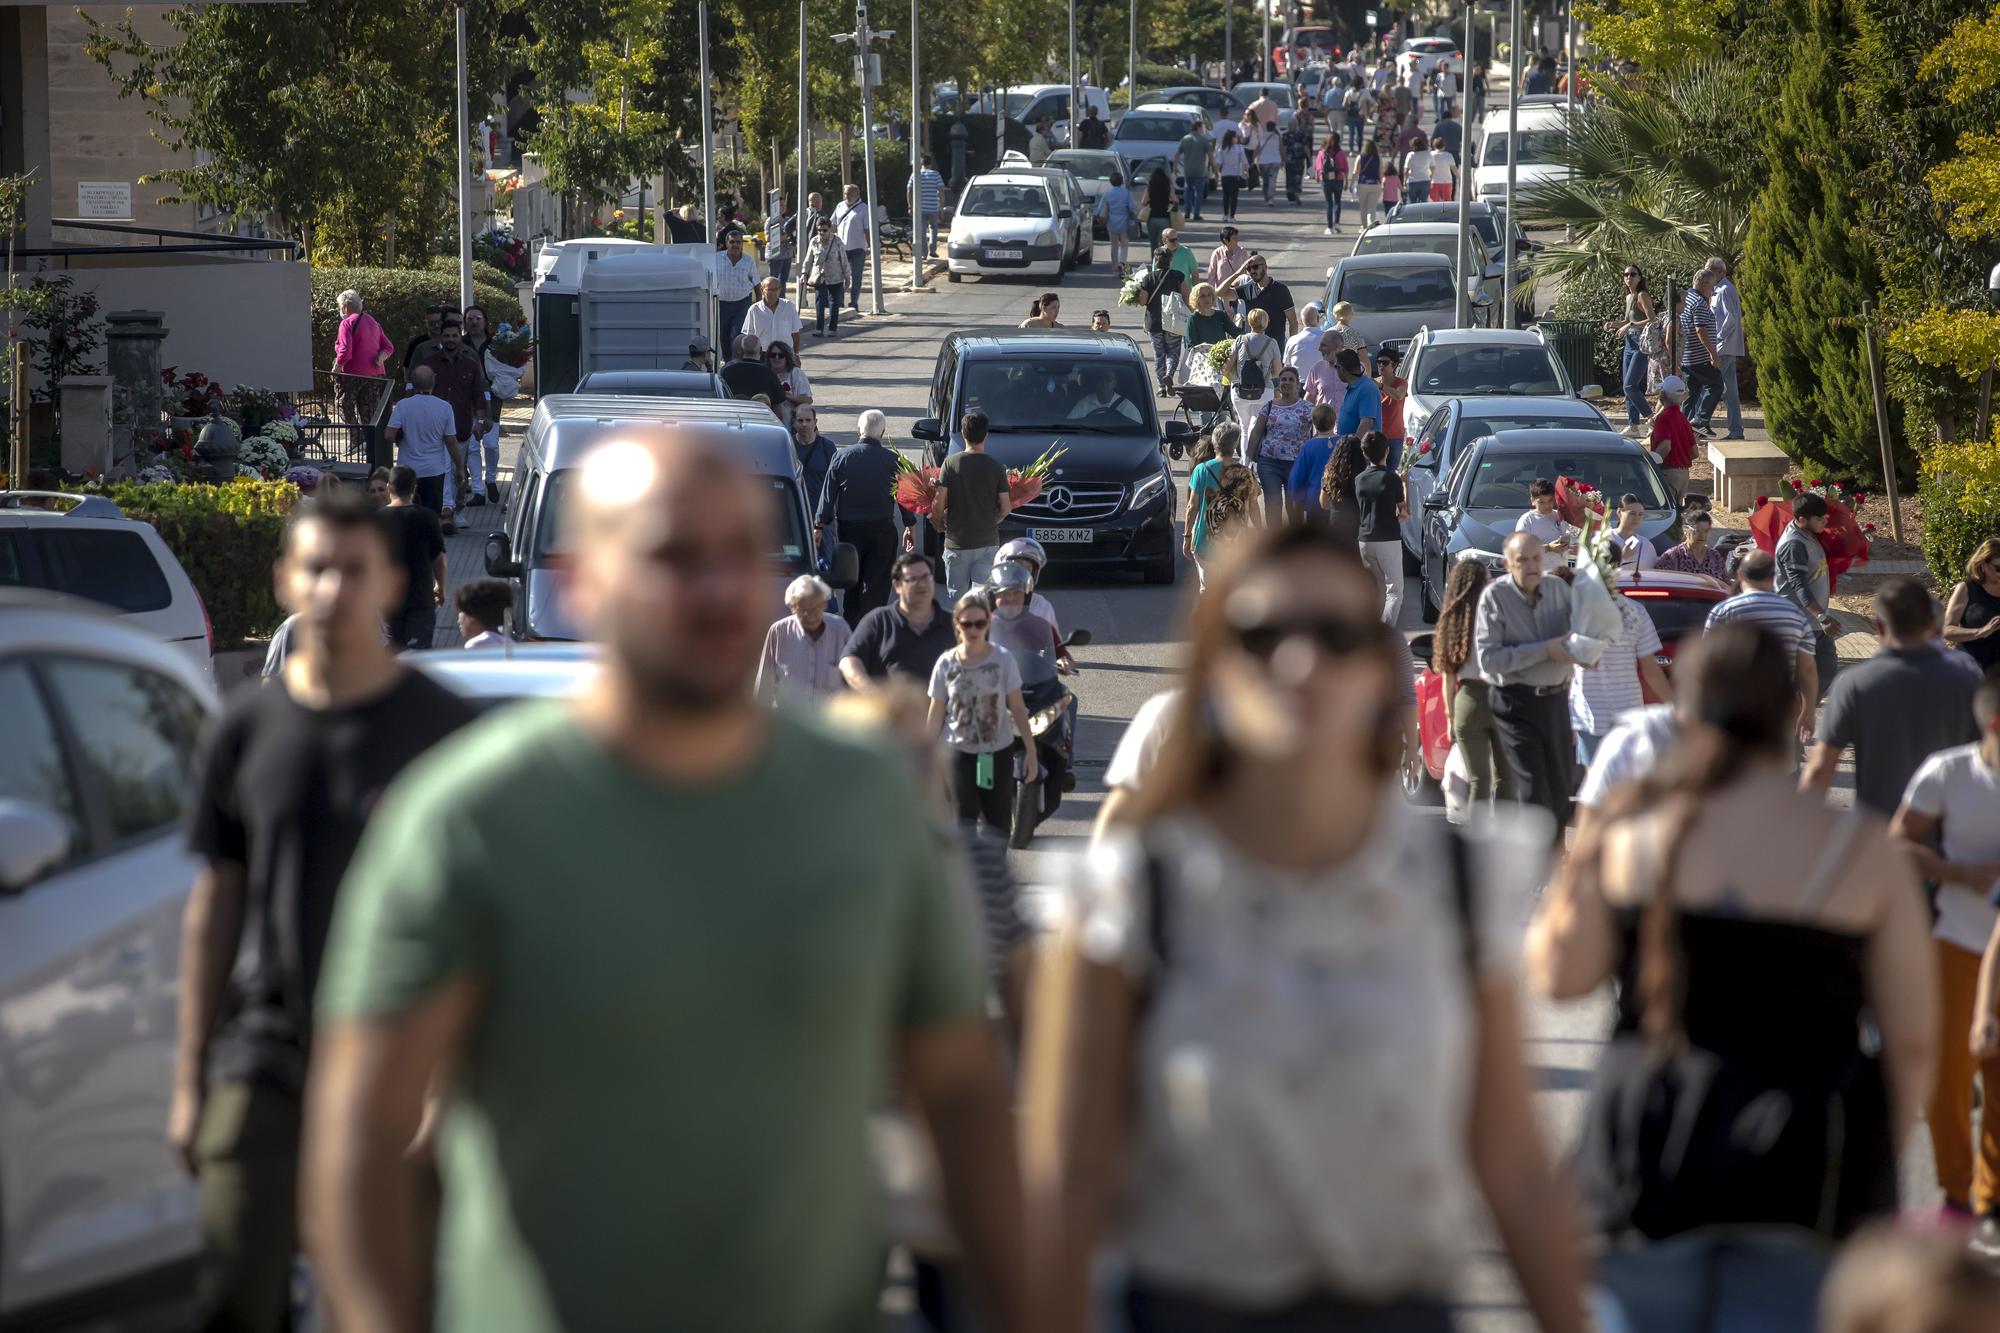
column 665, row 1022
column 1518, row 643
column 424, row 428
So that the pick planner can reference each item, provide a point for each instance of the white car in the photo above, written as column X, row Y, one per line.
column 1279, row 93
column 1543, row 135
column 1092, row 168
column 1154, row 129
column 1430, row 52
column 1008, row 223
column 83, row 546
column 1030, row 103
column 96, row 769
column 1442, row 364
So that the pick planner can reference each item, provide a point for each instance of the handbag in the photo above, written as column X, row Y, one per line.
column 1144, row 215
column 1174, row 314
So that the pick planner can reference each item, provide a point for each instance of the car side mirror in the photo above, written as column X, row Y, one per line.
column 1590, row 391
column 33, row 841
column 1437, row 500
column 843, row 566
column 1421, row 645
column 927, row 428
column 1065, row 213
column 500, row 561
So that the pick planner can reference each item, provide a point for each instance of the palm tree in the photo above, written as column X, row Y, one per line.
column 1657, row 167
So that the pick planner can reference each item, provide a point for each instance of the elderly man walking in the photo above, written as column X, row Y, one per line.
column 859, row 496
column 1517, row 644
column 1730, row 344
column 773, row 319
column 1701, row 356
column 802, row 652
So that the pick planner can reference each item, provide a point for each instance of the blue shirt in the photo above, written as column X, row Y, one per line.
column 1118, row 209
column 1363, row 400
column 928, row 185
column 1309, row 474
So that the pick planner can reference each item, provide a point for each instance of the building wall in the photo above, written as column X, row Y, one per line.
column 237, row 321
column 94, row 135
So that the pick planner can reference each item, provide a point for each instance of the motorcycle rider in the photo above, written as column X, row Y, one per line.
column 1038, row 653
column 1028, row 552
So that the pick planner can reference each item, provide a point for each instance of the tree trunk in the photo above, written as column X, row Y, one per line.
column 389, row 243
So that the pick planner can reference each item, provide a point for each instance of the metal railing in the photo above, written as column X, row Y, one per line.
column 342, row 418
column 190, row 242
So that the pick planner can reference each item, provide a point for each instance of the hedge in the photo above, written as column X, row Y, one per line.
column 398, row 297
column 226, row 537
column 1960, row 503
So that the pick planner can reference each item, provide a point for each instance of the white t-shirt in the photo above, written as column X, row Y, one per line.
column 1629, row 752
column 425, row 419
column 1545, row 527
column 1956, row 788
column 1639, row 553
column 1139, row 748
column 769, row 325
column 850, row 223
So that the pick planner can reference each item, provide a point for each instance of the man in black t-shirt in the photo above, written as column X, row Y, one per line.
column 1260, row 291
column 416, row 546
column 1379, row 493
column 907, row 636
column 747, row 375
column 294, row 767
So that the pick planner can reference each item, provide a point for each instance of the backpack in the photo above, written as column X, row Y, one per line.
column 1250, row 378
column 1653, row 337
column 1352, row 102
column 1229, row 503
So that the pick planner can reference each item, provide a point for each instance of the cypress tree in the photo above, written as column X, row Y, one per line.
column 1806, row 268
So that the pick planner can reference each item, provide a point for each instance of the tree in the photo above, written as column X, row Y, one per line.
column 1805, row 269
column 1656, row 166
column 1656, row 34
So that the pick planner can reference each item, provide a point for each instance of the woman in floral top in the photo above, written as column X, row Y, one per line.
column 1695, row 555
column 1281, row 428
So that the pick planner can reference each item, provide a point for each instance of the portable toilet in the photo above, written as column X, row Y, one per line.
column 639, row 311
column 558, row 310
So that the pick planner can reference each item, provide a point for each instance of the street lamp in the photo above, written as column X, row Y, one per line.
column 1513, row 154
column 863, row 37
column 464, row 171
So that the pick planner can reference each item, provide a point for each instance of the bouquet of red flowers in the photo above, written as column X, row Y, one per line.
column 1577, row 500
column 915, row 487
column 1025, row 484
column 1845, row 538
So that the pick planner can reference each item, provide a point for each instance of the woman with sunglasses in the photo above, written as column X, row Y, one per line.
column 976, row 703
column 798, row 390
column 1257, row 1050
column 1638, row 313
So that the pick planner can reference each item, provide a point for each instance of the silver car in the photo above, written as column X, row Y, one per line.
column 99, row 723
column 1396, row 295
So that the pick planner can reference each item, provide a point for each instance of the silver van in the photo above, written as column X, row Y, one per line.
column 529, row 551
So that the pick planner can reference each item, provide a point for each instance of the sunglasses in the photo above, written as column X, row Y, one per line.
column 1333, row 636
column 980, row 623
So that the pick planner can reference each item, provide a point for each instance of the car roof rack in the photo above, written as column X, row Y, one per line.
column 84, row 506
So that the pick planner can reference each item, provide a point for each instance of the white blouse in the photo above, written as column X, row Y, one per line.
column 1304, row 1068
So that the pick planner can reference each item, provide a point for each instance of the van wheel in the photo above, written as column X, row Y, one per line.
column 1162, row 571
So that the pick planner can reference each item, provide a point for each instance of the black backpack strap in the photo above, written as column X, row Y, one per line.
column 1461, row 900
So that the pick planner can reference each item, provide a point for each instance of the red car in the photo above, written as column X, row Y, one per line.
column 1678, row 603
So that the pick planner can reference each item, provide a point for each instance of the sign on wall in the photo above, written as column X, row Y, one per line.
column 109, row 200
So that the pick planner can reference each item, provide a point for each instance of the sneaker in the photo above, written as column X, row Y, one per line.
column 478, row 499
column 1985, row 1238
column 1329, row 231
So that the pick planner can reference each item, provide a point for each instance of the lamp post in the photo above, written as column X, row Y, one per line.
column 918, row 248
column 862, row 37
column 1464, row 245
column 464, row 170
column 707, row 132
column 1513, row 147
column 1075, row 87
column 1265, row 5
column 805, row 143
column 1132, row 57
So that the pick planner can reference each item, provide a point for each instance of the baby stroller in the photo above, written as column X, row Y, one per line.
column 1204, row 399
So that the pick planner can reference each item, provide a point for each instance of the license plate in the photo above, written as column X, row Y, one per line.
column 1003, row 254
column 1046, row 535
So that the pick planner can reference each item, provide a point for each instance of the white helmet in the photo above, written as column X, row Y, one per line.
column 1026, row 549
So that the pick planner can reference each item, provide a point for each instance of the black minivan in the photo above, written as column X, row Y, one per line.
column 1108, row 501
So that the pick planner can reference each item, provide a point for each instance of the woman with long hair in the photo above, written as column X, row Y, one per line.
column 1336, row 492
column 1331, row 168
column 1276, row 1050
column 1368, row 184
column 1777, row 1019
column 1468, row 707
column 1042, row 312
column 1233, row 163
column 1632, row 372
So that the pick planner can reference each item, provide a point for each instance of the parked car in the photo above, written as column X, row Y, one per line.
column 84, row 546
column 1216, row 104
column 1280, row 93
column 1488, row 220
column 1457, row 422
column 1108, row 503
column 102, row 721
column 1678, row 605
column 1486, row 493
column 489, row 677
column 654, row 383
column 1154, row 129
column 1453, row 363
column 1073, row 210
column 1396, row 295
column 1027, row 103
column 1009, row 222
column 1543, row 134
column 1430, row 52
column 534, row 540
column 1092, row 168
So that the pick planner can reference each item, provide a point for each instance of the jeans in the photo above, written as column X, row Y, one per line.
column 730, row 316
column 1295, row 174
column 483, row 462
column 1353, row 132
column 926, row 238
column 1732, row 402
column 1270, row 172
column 430, row 492
column 1385, row 559
column 1826, row 657
column 1478, row 740
column 1704, row 387
column 1586, row 748
column 415, row 626
column 1332, row 189
column 1194, row 193
column 1535, row 735
column 854, row 260
column 781, row 269
column 826, row 309
column 246, row 1159
column 875, row 547
column 1633, row 376
column 1231, row 186
column 1271, row 475
column 1417, row 190
column 965, row 569
column 1166, row 357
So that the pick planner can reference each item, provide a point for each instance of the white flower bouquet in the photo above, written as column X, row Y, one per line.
column 1595, row 622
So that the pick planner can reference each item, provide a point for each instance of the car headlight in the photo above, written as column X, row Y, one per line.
column 1046, row 238
column 1148, row 490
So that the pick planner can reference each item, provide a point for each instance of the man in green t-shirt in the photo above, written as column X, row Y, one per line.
column 655, row 953
column 972, row 498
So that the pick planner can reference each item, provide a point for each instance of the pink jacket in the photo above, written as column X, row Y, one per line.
column 360, row 345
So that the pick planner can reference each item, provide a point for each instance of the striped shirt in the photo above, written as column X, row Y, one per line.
column 1599, row 696
column 1766, row 611
column 1695, row 315
column 928, row 185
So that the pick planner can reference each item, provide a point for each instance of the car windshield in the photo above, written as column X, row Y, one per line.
column 552, row 538
column 1418, row 287
column 1389, row 244
column 1446, row 369
column 1500, row 480
column 1474, row 425
column 1151, row 127
column 1537, row 146
column 1090, row 166
column 1107, row 397
column 1005, row 201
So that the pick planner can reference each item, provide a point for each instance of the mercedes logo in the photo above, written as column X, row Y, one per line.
column 1058, row 500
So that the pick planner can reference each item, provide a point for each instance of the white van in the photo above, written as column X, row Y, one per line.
column 1029, row 102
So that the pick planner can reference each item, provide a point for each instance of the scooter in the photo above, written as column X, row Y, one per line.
column 1052, row 724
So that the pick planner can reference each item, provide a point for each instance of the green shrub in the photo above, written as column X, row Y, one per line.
column 482, row 270
column 226, row 538
column 1951, row 532
column 398, row 297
